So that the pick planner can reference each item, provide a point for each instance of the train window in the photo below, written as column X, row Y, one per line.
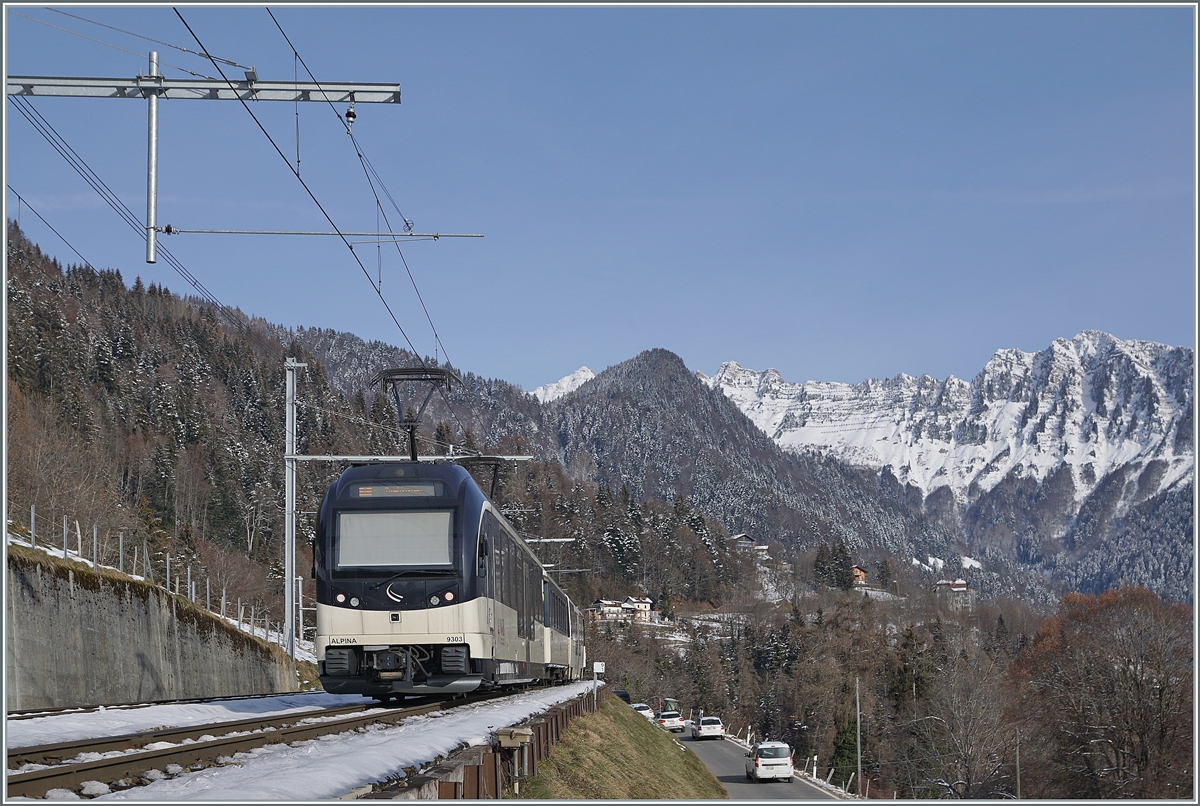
column 483, row 556
column 522, row 599
column 538, row 604
column 390, row 539
column 502, row 560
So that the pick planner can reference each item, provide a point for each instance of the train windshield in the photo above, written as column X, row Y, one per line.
column 409, row 539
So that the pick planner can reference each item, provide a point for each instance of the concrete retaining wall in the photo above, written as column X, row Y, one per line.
column 75, row 637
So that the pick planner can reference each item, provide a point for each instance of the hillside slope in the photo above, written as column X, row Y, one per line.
column 617, row 754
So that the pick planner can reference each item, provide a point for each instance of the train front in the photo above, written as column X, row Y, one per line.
column 400, row 608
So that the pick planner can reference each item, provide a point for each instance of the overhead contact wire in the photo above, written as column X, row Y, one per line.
column 59, row 143
column 51, row 226
column 309, row 191
column 208, row 56
column 108, row 44
column 368, row 169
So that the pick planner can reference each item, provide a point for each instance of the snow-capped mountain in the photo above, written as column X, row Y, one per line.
column 553, row 391
column 1090, row 404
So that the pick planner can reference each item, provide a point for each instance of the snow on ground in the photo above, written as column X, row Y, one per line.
column 935, row 564
column 968, row 562
column 328, row 767
column 116, row 721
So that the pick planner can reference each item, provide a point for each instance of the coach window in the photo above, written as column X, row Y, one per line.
column 485, row 532
column 539, row 600
column 501, row 553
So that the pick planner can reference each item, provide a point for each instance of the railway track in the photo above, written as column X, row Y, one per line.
column 205, row 745
column 35, row 713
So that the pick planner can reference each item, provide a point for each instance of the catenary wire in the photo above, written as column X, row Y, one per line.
column 59, row 143
column 369, row 169
column 311, row 195
column 148, row 39
column 56, row 140
column 51, row 226
column 107, row 44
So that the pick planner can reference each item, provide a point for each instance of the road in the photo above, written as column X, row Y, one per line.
column 726, row 760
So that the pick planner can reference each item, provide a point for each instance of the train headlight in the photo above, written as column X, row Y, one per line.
column 341, row 597
column 435, row 600
column 354, row 601
column 449, row 596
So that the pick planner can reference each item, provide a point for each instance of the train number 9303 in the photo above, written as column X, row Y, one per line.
column 455, row 639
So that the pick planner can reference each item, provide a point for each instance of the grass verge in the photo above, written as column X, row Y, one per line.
column 618, row 754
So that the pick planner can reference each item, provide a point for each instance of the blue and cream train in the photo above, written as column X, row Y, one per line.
column 423, row 587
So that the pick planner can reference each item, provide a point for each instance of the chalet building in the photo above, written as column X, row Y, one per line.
column 957, row 595
column 860, row 575
column 743, row 541
column 632, row 609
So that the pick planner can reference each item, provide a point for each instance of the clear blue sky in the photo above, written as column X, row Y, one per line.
column 839, row 193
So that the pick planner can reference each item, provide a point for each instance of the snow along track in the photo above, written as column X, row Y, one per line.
column 197, row 745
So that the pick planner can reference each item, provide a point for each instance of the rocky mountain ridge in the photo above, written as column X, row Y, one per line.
column 1091, row 404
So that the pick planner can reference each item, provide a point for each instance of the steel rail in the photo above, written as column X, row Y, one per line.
column 59, row 752
column 131, row 766
column 36, row 713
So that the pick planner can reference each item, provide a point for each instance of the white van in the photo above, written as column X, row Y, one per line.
column 769, row 760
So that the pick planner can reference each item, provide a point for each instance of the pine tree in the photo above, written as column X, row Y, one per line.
column 885, row 573
column 823, row 564
column 841, row 567
column 443, row 439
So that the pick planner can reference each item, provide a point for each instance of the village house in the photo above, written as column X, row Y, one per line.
column 957, row 595
column 860, row 575
column 743, row 541
column 632, row 609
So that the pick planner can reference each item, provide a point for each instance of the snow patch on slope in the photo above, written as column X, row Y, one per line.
column 553, row 391
column 1091, row 404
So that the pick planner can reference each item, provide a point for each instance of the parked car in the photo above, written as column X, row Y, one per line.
column 644, row 710
column 708, row 727
column 624, row 695
column 671, row 720
column 769, row 760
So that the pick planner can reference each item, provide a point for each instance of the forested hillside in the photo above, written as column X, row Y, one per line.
column 137, row 411
column 166, row 413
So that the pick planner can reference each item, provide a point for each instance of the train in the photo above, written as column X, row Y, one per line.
column 423, row 587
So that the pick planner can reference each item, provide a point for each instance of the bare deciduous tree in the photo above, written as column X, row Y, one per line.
column 1105, row 693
